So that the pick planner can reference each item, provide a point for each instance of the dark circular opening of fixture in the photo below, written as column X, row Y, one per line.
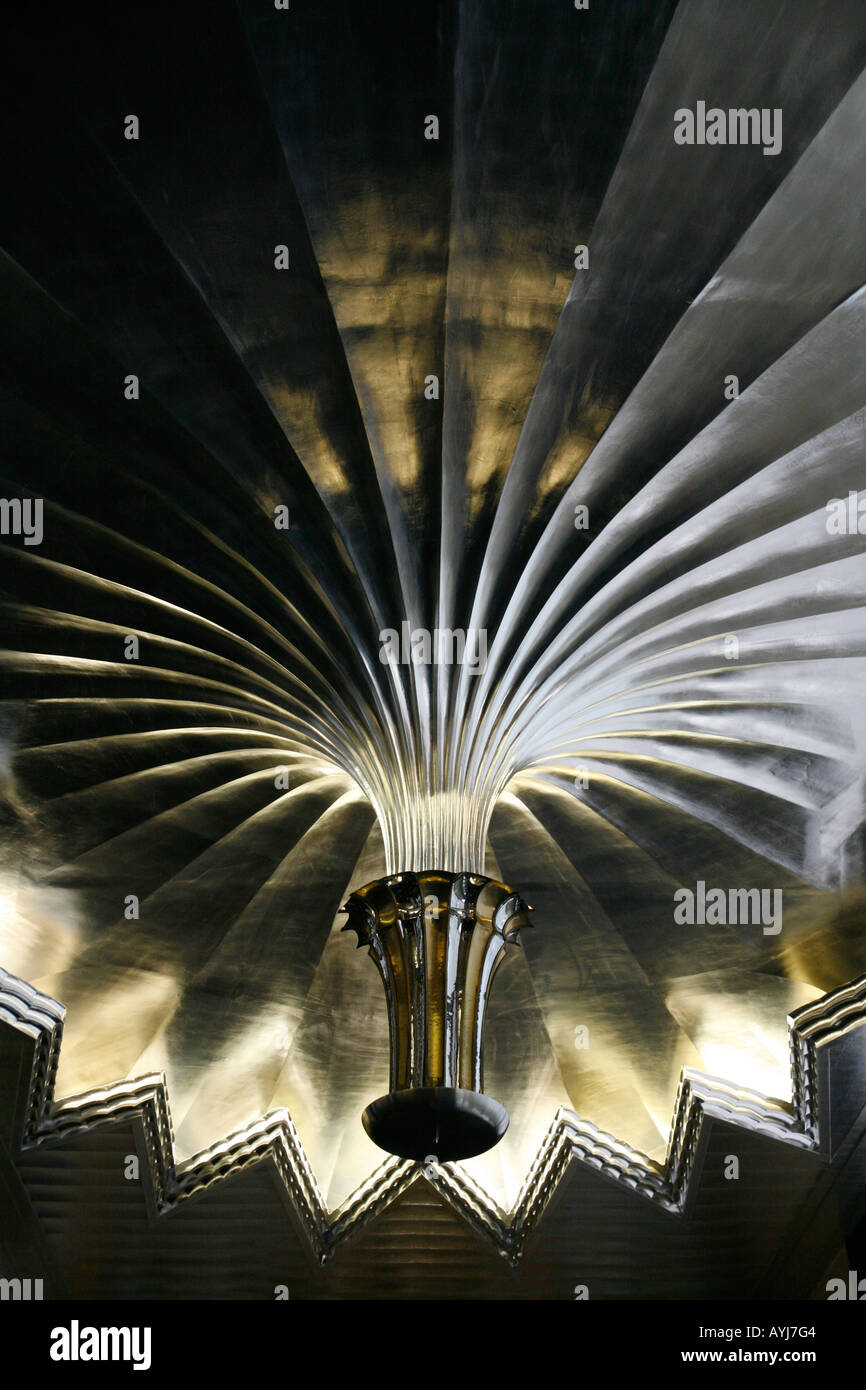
column 442, row 1121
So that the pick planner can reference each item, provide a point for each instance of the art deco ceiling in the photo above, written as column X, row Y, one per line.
column 672, row 693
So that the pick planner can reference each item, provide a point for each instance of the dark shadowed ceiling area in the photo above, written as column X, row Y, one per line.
column 673, row 685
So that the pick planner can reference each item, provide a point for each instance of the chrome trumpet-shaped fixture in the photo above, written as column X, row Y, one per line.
column 437, row 940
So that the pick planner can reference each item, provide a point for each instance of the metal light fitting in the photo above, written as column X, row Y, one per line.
column 437, row 940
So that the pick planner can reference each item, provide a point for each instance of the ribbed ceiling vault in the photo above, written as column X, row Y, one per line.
column 616, row 746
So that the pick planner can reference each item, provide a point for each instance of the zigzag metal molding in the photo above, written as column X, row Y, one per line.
column 669, row 1186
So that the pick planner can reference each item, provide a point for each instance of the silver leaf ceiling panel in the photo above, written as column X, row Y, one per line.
column 467, row 433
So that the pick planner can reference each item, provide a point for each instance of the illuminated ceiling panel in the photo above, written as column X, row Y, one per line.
column 674, row 638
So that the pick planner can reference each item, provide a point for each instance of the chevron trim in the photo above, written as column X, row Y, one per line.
column 569, row 1139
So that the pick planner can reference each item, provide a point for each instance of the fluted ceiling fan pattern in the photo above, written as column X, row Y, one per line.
column 615, row 745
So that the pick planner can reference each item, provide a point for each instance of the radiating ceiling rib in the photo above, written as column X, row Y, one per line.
column 306, row 387
column 374, row 688
column 137, row 514
column 281, row 326
column 375, row 207
column 251, row 1016
column 577, row 971
column 395, row 726
column 644, row 427
column 504, row 297
column 480, row 435
column 799, row 397
column 840, row 322
column 765, row 508
column 646, row 266
column 361, row 230
column 180, row 807
column 783, row 609
column 768, row 825
column 211, row 877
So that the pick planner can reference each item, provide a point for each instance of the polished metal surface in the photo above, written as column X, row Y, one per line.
column 259, row 761
column 437, row 941
column 666, row 1231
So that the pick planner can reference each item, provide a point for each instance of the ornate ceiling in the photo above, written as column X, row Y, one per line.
column 672, row 691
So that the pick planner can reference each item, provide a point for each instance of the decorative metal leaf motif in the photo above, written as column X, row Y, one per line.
column 269, row 469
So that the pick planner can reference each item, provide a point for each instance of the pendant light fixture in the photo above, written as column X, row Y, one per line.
column 437, row 940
